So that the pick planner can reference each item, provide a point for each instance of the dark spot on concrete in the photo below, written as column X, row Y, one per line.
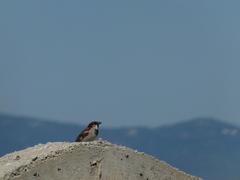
column 121, row 159
column 147, row 179
column 141, row 174
column 14, row 174
column 93, row 164
column 57, row 152
column 36, row 174
column 17, row 157
column 59, row 169
column 100, row 175
column 35, row 158
column 127, row 156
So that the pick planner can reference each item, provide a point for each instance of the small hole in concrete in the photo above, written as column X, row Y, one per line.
column 36, row 174
column 141, row 174
column 93, row 164
column 17, row 157
column 34, row 159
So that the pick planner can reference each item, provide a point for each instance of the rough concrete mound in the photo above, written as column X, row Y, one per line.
column 97, row 160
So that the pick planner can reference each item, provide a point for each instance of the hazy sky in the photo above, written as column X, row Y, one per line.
column 123, row 62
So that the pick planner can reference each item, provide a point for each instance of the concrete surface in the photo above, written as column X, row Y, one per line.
column 97, row 160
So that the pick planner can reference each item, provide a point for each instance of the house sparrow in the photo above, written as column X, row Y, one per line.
column 89, row 133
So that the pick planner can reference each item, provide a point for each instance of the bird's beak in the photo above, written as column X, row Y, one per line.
column 99, row 122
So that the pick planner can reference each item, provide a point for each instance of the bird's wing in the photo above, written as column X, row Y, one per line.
column 82, row 135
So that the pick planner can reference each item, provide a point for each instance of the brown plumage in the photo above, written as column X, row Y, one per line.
column 89, row 133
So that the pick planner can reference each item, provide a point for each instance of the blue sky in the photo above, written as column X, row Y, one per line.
column 125, row 62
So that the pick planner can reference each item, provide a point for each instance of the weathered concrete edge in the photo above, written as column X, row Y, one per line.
column 13, row 164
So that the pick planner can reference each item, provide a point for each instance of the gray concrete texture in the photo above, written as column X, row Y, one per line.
column 97, row 160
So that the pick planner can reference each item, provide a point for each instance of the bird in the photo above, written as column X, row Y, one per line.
column 89, row 133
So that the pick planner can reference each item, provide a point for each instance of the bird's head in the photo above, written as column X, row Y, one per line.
column 94, row 123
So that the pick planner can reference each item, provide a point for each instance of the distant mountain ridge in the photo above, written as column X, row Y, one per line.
column 204, row 147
